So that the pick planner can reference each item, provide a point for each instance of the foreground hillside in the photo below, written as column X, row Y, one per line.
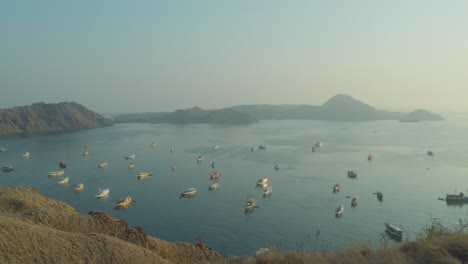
column 35, row 229
column 40, row 118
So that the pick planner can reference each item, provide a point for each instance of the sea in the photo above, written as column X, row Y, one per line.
column 300, row 212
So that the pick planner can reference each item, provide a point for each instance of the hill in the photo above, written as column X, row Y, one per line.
column 40, row 118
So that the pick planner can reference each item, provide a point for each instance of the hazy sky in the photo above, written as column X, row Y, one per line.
column 135, row 56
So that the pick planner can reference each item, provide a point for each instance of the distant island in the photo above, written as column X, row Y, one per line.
column 42, row 118
column 338, row 108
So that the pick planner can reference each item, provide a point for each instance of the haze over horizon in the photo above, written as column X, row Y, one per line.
column 151, row 56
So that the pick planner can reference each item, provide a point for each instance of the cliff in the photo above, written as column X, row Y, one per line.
column 40, row 118
column 35, row 229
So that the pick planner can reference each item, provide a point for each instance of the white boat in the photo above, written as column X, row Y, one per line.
column 262, row 182
column 215, row 147
column 213, row 186
column 143, row 175
column 250, row 204
column 102, row 193
column 354, row 201
column 215, row 175
column 153, row 145
column 2, row 149
column 262, row 251
column 267, row 191
column 124, row 203
column 56, row 173
column 174, row 167
column 253, row 149
column 25, row 155
column 200, row 159
column 394, row 231
column 63, row 180
column 336, row 188
column 131, row 165
column 79, row 187
column 103, row 164
column 189, row 192
column 339, row 210
column 8, row 168
column 132, row 156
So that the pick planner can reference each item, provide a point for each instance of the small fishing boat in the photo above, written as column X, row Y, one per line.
column 124, row 203
column 153, row 145
column 85, row 153
column 215, row 175
column 267, row 191
column 173, row 168
column 215, row 147
column 352, row 174
column 262, row 147
column 63, row 180
column 336, row 188
column 103, row 165
column 318, row 144
column 394, row 231
column 25, row 155
column 131, row 165
column 189, row 192
column 85, row 146
column 354, row 201
column 200, row 159
column 2, row 149
column 102, row 193
column 8, row 168
column 430, row 153
column 62, row 165
column 143, row 175
column 79, row 187
column 276, row 167
column 379, row 195
column 250, row 204
column 56, row 173
column 262, row 182
column 370, row 157
column 253, row 149
column 213, row 165
column 339, row 211
column 132, row 157
column 213, row 186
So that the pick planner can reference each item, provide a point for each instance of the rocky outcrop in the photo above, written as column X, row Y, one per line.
column 42, row 118
column 35, row 229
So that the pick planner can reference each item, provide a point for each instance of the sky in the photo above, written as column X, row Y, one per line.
column 151, row 56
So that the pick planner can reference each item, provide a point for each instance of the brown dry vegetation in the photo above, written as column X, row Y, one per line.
column 34, row 229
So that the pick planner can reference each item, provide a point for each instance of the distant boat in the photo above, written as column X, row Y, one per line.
column 25, row 155
column 354, row 201
column 370, row 157
column 215, row 175
column 131, row 165
column 430, row 153
column 199, row 159
column 253, row 149
column 62, row 164
column 263, row 182
column 336, row 188
column 79, row 187
column 124, row 203
column 189, row 192
column 213, row 165
column 394, row 231
column 56, row 173
column 8, row 168
column 85, row 153
column 2, row 149
column 215, row 147
column 102, row 193
column 318, row 144
column 456, row 198
column 143, row 175
column 63, row 180
column 379, row 195
column 103, row 165
column 267, row 191
column 262, row 147
column 173, row 168
column 132, row 157
column 250, row 204
column 276, row 167
column 339, row 211
column 153, row 145
column 352, row 174
column 85, row 146
column 213, row 186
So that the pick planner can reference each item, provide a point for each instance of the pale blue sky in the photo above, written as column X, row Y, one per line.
column 136, row 56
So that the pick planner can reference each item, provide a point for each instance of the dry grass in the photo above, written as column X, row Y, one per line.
column 34, row 229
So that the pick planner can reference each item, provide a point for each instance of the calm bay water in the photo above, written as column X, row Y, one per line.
column 302, row 201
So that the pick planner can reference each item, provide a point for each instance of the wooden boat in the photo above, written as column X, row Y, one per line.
column 85, row 153
column 143, row 175
column 56, row 173
column 394, row 231
column 132, row 157
column 153, row 145
column 62, row 164
column 370, row 157
column 336, row 188
column 25, row 155
column 352, row 174
column 339, row 211
column 103, row 165
column 354, row 201
column 8, row 168
column 173, row 168
column 213, row 186
column 189, row 192
column 125, row 203
column 131, row 165
column 102, row 193
column 250, row 204
column 379, row 195
column 215, row 175
column 267, row 191
column 63, row 180
column 79, row 187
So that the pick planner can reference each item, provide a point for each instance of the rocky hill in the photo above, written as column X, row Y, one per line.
column 40, row 118
column 35, row 229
